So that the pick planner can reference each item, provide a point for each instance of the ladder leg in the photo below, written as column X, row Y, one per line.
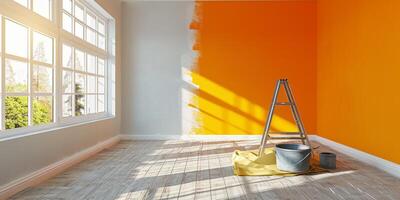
column 269, row 119
column 296, row 113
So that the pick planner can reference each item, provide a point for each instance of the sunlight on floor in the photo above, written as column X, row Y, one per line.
column 203, row 170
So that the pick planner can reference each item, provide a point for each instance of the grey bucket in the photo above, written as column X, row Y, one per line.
column 293, row 157
column 327, row 160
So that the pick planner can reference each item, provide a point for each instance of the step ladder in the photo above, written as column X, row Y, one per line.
column 267, row 135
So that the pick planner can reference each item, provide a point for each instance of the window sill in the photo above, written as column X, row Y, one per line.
column 30, row 131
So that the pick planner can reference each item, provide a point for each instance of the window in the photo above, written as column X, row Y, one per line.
column 48, row 77
column 28, row 92
column 83, row 82
column 84, row 23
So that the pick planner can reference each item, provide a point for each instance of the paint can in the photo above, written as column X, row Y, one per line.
column 293, row 157
column 327, row 160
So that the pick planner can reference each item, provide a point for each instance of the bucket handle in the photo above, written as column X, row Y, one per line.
column 301, row 159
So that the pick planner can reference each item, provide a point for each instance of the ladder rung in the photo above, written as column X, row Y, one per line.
column 286, row 138
column 283, row 103
column 286, row 133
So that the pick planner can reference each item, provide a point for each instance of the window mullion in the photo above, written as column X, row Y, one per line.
column 51, row 8
column 42, row 63
column 84, row 24
column 57, row 71
column 43, row 94
column 3, row 80
column 17, row 58
column 30, row 75
column 73, row 83
column 57, row 86
column 17, row 94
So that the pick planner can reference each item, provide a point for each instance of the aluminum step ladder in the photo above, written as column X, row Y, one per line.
column 267, row 135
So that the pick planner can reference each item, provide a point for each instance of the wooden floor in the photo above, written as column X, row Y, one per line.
column 203, row 170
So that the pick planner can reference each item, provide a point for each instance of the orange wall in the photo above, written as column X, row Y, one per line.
column 358, row 74
column 244, row 48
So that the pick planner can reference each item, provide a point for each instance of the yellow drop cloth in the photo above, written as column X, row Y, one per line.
column 247, row 163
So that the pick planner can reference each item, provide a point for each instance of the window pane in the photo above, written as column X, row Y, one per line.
column 80, row 104
column 42, row 7
column 101, row 27
column 79, row 60
column 100, row 85
column 78, row 30
column 91, row 104
column 91, row 63
column 16, row 109
column 91, row 81
column 67, row 56
column 16, row 74
column 67, row 23
column 42, row 79
column 79, row 12
column 100, row 103
column 67, row 105
column 42, row 110
column 22, row 2
column 67, row 82
column 42, row 48
column 80, row 83
column 91, row 36
column 102, row 42
column 67, row 6
column 100, row 67
column 91, row 21
column 16, row 39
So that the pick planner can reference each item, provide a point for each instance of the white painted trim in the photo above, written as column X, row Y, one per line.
column 221, row 137
column 51, row 170
column 150, row 137
column 382, row 164
column 47, row 129
column 190, row 137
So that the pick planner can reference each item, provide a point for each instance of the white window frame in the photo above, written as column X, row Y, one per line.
column 53, row 28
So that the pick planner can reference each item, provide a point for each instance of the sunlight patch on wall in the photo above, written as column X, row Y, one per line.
column 227, row 113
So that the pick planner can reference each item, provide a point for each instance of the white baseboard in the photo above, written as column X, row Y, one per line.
column 221, row 137
column 382, row 164
column 191, row 137
column 150, row 137
column 49, row 171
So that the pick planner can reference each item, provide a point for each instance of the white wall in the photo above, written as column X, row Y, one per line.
column 22, row 156
column 156, row 39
